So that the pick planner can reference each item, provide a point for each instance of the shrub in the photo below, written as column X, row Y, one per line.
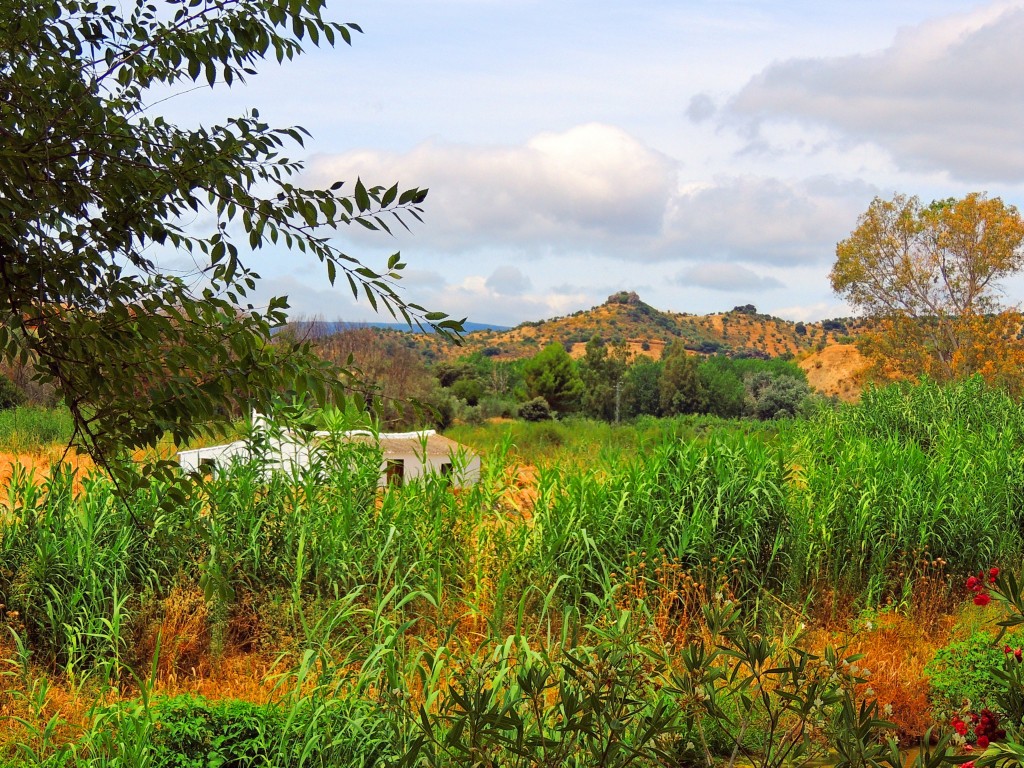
column 470, row 390
column 536, row 410
column 191, row 732
column 470, row 414
column 963, row 672
column 194, row 732
column 777, row 397
column 497, row 407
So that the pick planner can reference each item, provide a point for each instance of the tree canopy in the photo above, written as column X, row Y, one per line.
column 680, row 381
column 601, row 373
column 928, row 275
column 98, row 191
column 552, row 375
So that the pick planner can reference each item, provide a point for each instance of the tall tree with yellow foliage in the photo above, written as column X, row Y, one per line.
column 929, row 276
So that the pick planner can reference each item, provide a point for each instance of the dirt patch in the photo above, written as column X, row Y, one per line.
column 37, row 466
column 654, row 351
column 838, row 370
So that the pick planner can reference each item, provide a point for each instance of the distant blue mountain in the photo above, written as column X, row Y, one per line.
column 337, row 326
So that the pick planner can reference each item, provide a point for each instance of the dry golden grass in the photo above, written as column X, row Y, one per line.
column 895, row 651
column 896, row 645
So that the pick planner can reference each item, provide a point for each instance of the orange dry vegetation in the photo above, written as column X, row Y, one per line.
column 895, row 649
column 37, row 465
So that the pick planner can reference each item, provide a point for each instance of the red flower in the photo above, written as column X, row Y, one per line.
column 974, row 584
column 982, row 598
column 983, row 742
column 1017, row 654
column 969, row 764
column 992, row 573
column 1007, row 650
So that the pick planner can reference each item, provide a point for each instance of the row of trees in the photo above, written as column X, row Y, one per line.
column 408, row 392
column 605, row 384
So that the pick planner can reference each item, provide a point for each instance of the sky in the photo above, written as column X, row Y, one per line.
column 704, row 154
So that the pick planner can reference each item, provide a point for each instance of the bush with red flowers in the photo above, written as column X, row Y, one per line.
column 1002, row 745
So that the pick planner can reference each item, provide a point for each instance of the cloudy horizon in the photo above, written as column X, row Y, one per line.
column 703, row 154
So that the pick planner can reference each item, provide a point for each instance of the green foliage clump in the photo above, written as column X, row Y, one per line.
column 641, row 390
column 552, row 374
column 535, row 410
column 963, row 672
column 192, row 732
column 11, row 396
column 778, row 397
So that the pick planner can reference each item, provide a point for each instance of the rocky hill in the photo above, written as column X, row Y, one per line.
column 625, row 319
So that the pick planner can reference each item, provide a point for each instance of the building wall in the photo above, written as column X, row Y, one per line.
column 286, row 455
column 465, row 470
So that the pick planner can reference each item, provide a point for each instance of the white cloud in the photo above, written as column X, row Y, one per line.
column 474, row 298
column 731, row 278
column 596, row 190
column 819, row 310
column 507, row 280
column 764, row 219
column 946, row 95
column 586, row 186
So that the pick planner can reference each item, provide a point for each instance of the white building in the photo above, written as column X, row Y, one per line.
column 405, row 456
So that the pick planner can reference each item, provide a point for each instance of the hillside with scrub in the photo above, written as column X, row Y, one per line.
column 625, row 319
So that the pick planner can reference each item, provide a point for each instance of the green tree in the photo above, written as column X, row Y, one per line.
column 641, row 391
column 776, row 397
column 96, row 188
column 680, row 382
column 601, row 374
column 552, row 374
column 722, row 390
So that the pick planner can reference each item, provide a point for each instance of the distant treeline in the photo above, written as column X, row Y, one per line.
column 603, row 384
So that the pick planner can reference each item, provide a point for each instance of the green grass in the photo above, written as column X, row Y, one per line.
column 26, row 429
